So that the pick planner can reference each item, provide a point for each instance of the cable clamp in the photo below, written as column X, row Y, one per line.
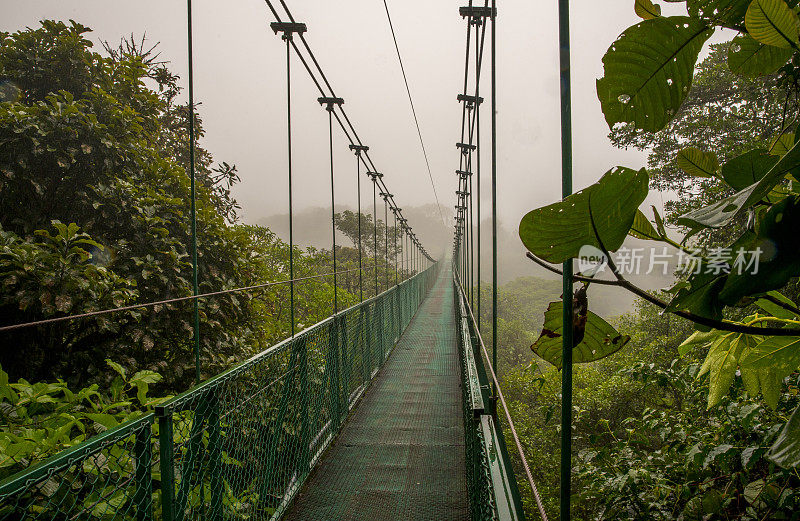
column 465, row 147
column 330, row 102
column 359, row 148
column 470, row 99
column 463, row 174
column 374, row 175
column 288, row 28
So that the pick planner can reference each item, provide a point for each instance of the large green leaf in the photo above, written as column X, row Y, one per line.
column 599, row 341
column 649, row 69
column 759, row 375
column 723, row 211
column 772, row 22
column 749, row 57
column 722, row 361
column 786, row 449
column 779, row 248
column 774, row 309
column 719, row 12
column 748, row 168
column 700, row 296
column 557, row 232
column 643, row 229
column 646, row 9
column 695, row 162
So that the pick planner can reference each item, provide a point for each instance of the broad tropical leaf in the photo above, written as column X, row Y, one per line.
column 722, row 361
column 642, row 228
column 723, row 211
column 749, row 57
column 719, row 12
column 748, row 168
column 697, row 339
column 782, row 144
column 786, row 449
column 649, row 69
column 758, row 372
column 646, row 9
column 772, row 22
column 697, row 163
column 779, row 248
column 557, row 232
column 599, row 341
column 774, row 309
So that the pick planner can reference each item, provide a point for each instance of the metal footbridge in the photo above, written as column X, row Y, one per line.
column 380, row 412
column 387, row 410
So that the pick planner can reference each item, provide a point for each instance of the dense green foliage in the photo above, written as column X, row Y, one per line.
column 737, row 186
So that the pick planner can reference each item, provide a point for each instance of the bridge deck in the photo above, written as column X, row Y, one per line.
column 401, row 453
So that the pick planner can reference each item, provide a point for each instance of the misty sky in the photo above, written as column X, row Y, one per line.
column 240, row 81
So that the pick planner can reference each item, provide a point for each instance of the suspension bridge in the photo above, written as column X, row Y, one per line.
column 389, row 409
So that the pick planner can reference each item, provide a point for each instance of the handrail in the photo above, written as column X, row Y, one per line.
column 502, row 399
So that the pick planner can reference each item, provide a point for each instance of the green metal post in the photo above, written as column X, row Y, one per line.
column 478, row 175
column 566, row 189
column 166, row 452
column 144, row 484
column 494, row 198
column 193, row 209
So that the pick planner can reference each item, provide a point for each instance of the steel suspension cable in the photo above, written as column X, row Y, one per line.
column 386, row 240
column 358, row 187
column 288, row 37
column 333, row 212
column 413, row 110
column 355, row 140
column 154, row 303
column 375, row 230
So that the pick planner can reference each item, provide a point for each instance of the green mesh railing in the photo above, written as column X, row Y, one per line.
column 492, row 487
column 236, row 447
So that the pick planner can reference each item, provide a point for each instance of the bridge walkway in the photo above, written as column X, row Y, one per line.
column 400, row 455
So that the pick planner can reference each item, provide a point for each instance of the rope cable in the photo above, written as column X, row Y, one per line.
column 165, row 301
column 346, row 125
column 413, row 110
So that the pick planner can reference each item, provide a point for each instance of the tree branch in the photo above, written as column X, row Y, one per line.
column 622, row 282
column 782, row 304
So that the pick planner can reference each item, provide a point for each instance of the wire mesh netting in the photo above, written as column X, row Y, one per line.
column 108, row 477
column 240, row 445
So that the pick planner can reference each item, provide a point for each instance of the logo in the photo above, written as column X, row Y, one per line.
column 591, row 260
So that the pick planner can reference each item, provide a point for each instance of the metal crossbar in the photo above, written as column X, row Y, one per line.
column 237, row 446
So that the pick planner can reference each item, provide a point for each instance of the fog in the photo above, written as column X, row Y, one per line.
column 240, row 84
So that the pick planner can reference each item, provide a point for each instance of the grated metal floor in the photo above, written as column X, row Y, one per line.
column 400, row 456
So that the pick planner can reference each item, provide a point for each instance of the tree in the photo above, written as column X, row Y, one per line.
column 85, row 142
column 762, row 347
column 347, row 223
